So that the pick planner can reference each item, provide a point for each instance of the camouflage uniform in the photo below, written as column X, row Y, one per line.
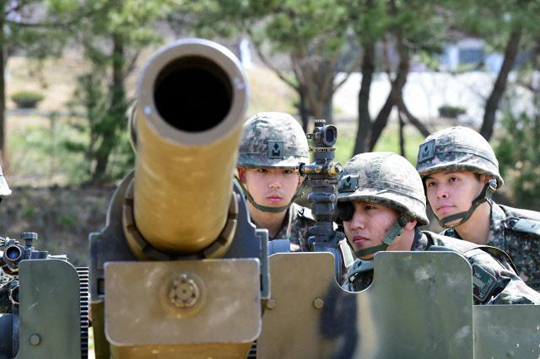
column 391, row 181
column 6, row 282
column 298, row 220
column 515, row 231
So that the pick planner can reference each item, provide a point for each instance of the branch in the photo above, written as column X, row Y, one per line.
column 133, row 63
column 492, row 104
column 267, row 62
column 356, row 63
column 412, row 119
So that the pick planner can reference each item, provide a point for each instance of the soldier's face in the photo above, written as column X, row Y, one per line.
column 368, row 225
column 270, row 187
column 452, row 192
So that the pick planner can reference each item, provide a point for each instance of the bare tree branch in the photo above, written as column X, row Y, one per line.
column 269, row 64
column 356, row 63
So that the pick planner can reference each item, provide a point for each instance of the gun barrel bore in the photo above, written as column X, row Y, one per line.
column 191, row 102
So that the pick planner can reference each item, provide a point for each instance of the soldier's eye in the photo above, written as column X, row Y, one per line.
column 345, row 211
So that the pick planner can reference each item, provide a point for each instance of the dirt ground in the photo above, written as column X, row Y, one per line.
column 62, row 217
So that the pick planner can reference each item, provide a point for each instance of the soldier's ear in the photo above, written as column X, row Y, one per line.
column 241, row 174
column 411, row 224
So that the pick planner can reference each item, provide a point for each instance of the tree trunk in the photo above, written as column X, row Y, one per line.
column 329, row 110
column 492, row 104
column 380, row 122
column 117, row 109
column 3, row 62
column 396, row 87
column 304, row 115
column 364, row 118
column 412, row 119
column 401, row 134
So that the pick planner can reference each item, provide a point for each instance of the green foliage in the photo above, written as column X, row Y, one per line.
column 312, row 34
column 517, row 151
column 493, row 20
column 27, row 99
column 92, row 120
column 112, row 39
column 67, row 220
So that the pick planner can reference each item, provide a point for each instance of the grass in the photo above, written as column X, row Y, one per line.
column 37, row 153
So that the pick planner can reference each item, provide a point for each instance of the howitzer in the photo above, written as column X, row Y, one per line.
column 47, row 312
column 180, row 271
column 178, row 229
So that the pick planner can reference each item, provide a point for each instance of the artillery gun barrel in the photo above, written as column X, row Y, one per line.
column 186, row 128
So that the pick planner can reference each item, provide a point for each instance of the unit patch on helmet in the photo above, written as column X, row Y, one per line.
column 426, row 151
column 483, row 283
column 275, row 149
column 348, row 184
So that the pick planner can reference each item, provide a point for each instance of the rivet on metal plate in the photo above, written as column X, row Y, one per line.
column 271, row 304
column 184, row 292
column 35, row 339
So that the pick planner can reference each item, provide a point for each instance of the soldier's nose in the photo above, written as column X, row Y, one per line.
column 442, row 193
column 357, row 223
column 274, row 185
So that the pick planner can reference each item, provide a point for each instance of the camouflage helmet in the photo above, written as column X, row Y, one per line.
column 457, row 149
column 273, row 139
column 385, row 178
column 4, row 188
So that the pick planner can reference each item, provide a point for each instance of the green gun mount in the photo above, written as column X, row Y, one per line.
column 48, row 297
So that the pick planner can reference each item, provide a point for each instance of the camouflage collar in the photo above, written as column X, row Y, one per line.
column 286, row 227
column 496, row 228
column 420, row 242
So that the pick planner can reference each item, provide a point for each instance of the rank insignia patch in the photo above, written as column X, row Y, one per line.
column 426, row 151
column 275, row 150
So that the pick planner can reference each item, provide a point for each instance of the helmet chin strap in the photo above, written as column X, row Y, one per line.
column 484, row 196
column 393, row 232
column 268, row 209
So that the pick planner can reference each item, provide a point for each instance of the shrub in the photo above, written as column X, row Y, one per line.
column 27, row 99
column 451, row 111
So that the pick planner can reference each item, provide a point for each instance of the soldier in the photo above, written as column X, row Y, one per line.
column 272, row 147
column 5, row 280
column 381, row 201
column 460, row 173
